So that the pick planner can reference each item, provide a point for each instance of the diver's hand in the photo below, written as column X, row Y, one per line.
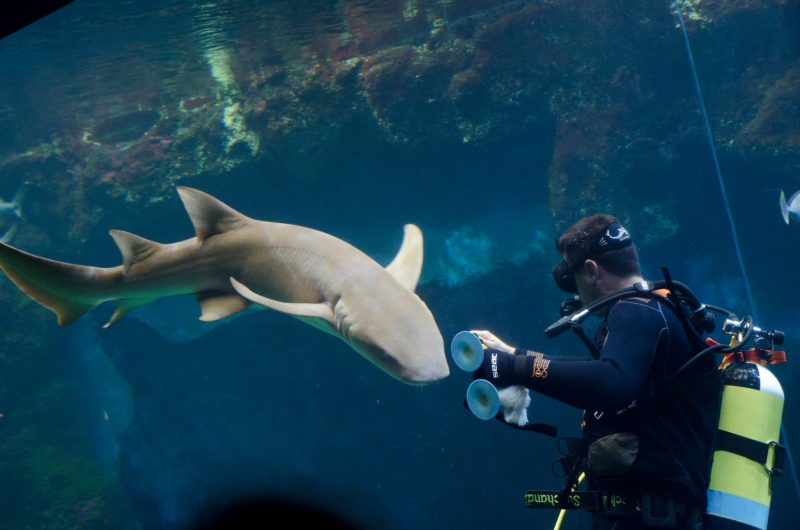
column 491, row 341
column 497, row 367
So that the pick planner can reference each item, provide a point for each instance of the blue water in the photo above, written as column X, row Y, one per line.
column 160, row 418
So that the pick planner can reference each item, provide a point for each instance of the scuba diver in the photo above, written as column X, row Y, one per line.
column 649, row 417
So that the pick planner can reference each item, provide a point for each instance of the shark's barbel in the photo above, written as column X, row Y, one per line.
column 235, row 261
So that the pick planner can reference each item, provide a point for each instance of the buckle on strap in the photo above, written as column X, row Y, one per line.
column 754, row 450
column 778, row 456
column 658, row 511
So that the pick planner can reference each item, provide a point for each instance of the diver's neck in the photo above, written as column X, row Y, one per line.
column 613, row 284
column 608, row 287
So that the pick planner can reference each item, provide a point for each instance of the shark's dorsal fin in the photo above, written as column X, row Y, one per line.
column 216, row 305
column 133, row 248
column 209, row 215
column 407, row 265
column 320, row 311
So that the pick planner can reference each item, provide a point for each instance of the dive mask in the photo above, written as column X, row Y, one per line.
column 613, row 237
column 564, row 276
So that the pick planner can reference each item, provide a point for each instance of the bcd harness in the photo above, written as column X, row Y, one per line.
column 697, row 319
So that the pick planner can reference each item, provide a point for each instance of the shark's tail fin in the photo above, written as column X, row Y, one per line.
column 17, row 200
column 67, row 290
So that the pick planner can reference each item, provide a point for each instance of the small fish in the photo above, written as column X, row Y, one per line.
column 15, row 206
column 105, row 415
column 12, row 209
column 790, row 208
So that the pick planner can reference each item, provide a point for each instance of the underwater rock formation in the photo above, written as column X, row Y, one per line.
column 608, row 86
column 50, row 477
column 593, row 100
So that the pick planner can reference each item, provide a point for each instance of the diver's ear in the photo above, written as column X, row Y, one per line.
column 592, row 269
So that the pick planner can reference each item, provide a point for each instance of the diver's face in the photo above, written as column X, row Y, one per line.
column 564, row 278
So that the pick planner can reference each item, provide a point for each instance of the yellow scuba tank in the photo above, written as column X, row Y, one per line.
column 746, row 451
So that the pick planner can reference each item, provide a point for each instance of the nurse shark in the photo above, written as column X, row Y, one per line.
column 235, row 261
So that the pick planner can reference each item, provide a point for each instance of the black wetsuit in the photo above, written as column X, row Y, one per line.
column 627, row 390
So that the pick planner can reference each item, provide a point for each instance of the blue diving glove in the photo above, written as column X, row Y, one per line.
column 497, row 368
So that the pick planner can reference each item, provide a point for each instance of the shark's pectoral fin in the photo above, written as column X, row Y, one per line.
column 216, row 305
column 133, row 248
column 209, row 215
column 407, row 265
column 320, row 311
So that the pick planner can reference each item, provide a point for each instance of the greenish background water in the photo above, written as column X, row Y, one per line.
column 491, row 125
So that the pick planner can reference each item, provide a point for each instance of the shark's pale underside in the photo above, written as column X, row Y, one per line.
column 235, row 261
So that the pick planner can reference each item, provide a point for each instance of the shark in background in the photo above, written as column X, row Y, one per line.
column 235, row 261
column 12, row 210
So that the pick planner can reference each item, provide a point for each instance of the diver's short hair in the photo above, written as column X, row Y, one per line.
column 575, row 244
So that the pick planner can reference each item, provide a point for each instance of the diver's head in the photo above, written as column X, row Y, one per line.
column 599, row 257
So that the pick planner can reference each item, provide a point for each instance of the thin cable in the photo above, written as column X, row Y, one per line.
column 710, row 136
column 714, row 157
